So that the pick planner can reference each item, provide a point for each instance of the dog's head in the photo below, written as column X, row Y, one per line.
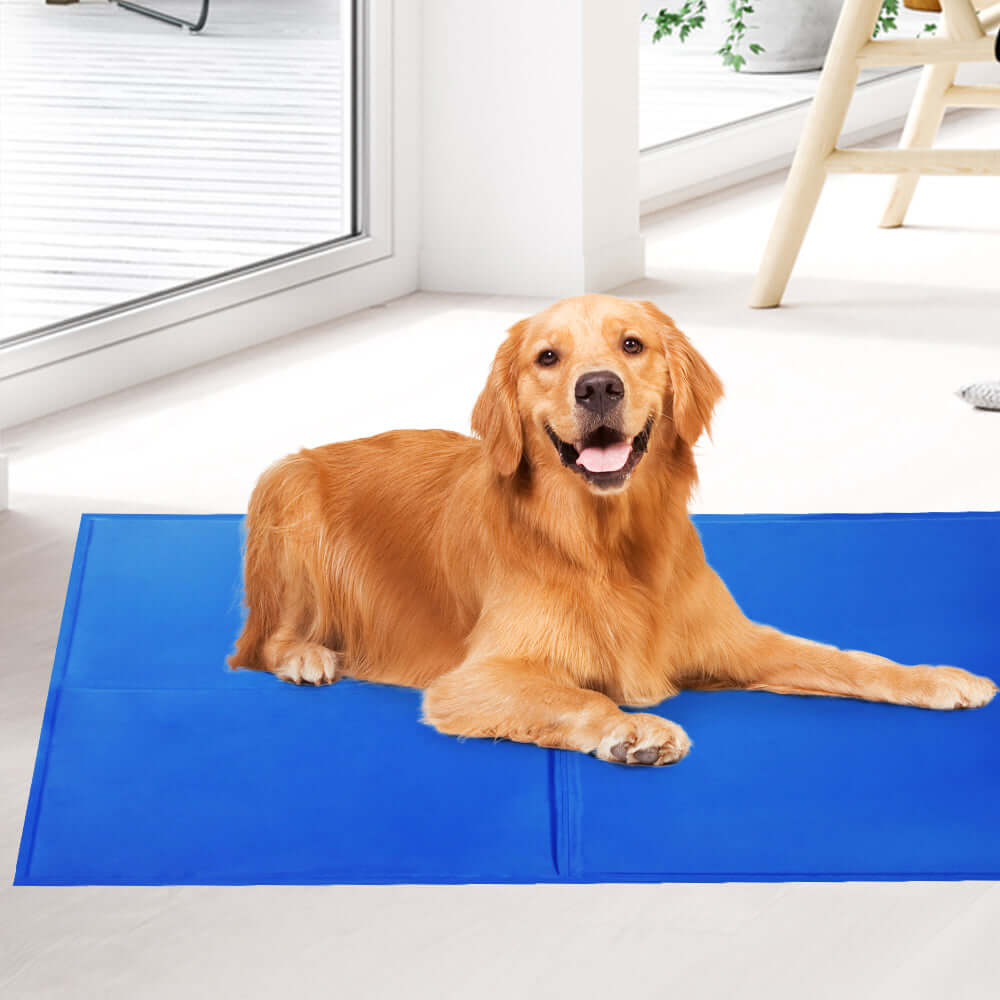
column 587, row 383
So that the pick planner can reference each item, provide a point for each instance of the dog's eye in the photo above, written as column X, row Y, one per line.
column 632, row 345
column 547, row 358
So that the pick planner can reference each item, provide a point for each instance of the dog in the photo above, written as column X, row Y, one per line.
column 537, row 577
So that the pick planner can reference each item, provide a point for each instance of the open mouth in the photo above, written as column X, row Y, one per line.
column 604, row 457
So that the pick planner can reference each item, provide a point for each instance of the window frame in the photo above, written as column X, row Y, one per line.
column 372, row 217
column 675, row 171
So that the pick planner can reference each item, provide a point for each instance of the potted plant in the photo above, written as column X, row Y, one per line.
column 767, row 36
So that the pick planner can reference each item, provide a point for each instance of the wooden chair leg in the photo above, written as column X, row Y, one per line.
column 961, row 20
column 819, row 137
column 927, row 110
column 922, row 124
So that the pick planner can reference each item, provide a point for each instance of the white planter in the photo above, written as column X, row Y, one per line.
column 795, row 33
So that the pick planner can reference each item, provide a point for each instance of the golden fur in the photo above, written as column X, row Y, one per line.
column 529, row 601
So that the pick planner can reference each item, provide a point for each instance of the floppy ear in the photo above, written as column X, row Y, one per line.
column 696, row 387
column 495, row 417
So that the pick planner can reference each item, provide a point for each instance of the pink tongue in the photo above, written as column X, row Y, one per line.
column 609, row 459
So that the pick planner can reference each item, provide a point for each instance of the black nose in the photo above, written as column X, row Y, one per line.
column 600, row 392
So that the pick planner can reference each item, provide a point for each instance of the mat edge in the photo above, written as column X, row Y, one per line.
column 603, row 878
column 67, row 627
column 705, row 516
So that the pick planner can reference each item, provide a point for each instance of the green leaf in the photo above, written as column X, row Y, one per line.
column 689, row 17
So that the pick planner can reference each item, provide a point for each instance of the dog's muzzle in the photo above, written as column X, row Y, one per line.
column 604, row 457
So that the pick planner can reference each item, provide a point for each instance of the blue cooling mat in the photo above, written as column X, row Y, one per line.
column 156, row 764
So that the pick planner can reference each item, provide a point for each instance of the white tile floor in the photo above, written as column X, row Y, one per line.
column 841, row 401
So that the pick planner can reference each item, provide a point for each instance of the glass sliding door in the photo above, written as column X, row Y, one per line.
column 139, row 160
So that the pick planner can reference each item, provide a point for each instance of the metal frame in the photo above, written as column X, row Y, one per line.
column 178, row 22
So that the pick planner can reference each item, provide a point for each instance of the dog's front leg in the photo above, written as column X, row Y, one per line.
column 515, row 700
column 769, row 660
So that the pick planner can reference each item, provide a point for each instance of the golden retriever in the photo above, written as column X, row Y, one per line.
column 535, row 579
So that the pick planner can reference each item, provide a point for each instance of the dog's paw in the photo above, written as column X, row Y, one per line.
column 950, row 687
column 309, row 663
column 644, row 739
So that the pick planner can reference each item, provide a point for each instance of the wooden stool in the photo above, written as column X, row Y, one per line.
column 964, row 39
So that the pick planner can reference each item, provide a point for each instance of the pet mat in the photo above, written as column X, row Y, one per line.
column 159, row 765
